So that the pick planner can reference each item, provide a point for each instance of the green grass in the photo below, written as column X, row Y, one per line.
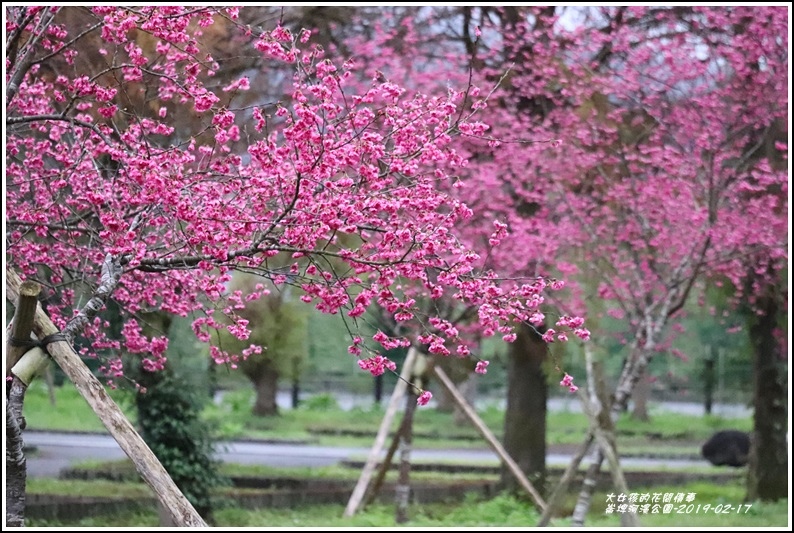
column 126, row 470
column 135, row 519
column 97, row 488
column 332, row 426
column 70, row 412
column 670, row 432
column 501, row 511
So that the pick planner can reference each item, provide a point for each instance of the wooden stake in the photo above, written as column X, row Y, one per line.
column 402, row 490
column 565, row 480
column 372, row 460
column 384, row 466
column 495, row 445
column 22, row 324
column 146, row 463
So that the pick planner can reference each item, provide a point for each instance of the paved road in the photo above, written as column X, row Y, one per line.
column 569, row 403
column 56, row 451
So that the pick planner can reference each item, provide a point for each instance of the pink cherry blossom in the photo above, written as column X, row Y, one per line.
column 424, row 398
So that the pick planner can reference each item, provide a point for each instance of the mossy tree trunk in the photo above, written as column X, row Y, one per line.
column 525, row 416
column 265, row 383
column 768, row 464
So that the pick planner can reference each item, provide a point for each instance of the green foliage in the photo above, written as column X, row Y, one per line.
column 133, row 519
column 189, row 358
column 170, row 424
column 278, row 323
column 227, row 417
column 320, row 402
column 237, row 402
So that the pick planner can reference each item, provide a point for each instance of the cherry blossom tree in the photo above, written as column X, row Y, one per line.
column 132, row 175
column 332, row 176
column 664, row 130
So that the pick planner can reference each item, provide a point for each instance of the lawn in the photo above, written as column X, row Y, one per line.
column 320, row 421
column 502, row 511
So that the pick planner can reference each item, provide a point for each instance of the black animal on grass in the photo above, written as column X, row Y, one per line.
column 730, row 447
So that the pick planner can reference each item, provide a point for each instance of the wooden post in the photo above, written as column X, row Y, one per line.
column 402, row 490
column 602, row 427
column 30, row 365
column 384, row 467
column 495, row 445
column 22, row 325
column 90, row 388
column 565, row 480
column 16, row 464
column 372, row 460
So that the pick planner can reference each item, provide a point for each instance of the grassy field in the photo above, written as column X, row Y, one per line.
column 501, row 511
column 320, row 421
column 667, row 432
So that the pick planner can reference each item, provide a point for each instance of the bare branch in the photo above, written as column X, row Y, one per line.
column 111, row 272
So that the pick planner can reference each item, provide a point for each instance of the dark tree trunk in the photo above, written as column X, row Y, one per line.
column 709, row 379
column 266, row 387
column 640, row 396
column 378, row 389
column 768, row 465
column 525, row 417
column 296, row 394
column 444, row 402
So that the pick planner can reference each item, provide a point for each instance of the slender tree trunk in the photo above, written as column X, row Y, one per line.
column 768, row 473
column 359, row 491
column 402, row 491
column 602, row 415
column 708, row 379
column 640, row 396
column 562, row 486
column 266, row 387
column 586, row 492
column 378, row 389
column 525, row 416
column 16, row 465
column 296, row 394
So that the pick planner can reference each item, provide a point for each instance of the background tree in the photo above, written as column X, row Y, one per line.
column 767, row 477
column 278, row 324
column 663, row 175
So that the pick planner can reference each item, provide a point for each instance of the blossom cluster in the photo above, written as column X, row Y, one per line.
column 337, row 189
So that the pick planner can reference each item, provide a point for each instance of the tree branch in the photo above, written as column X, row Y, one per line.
column 27, row 61
column 111, row 272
